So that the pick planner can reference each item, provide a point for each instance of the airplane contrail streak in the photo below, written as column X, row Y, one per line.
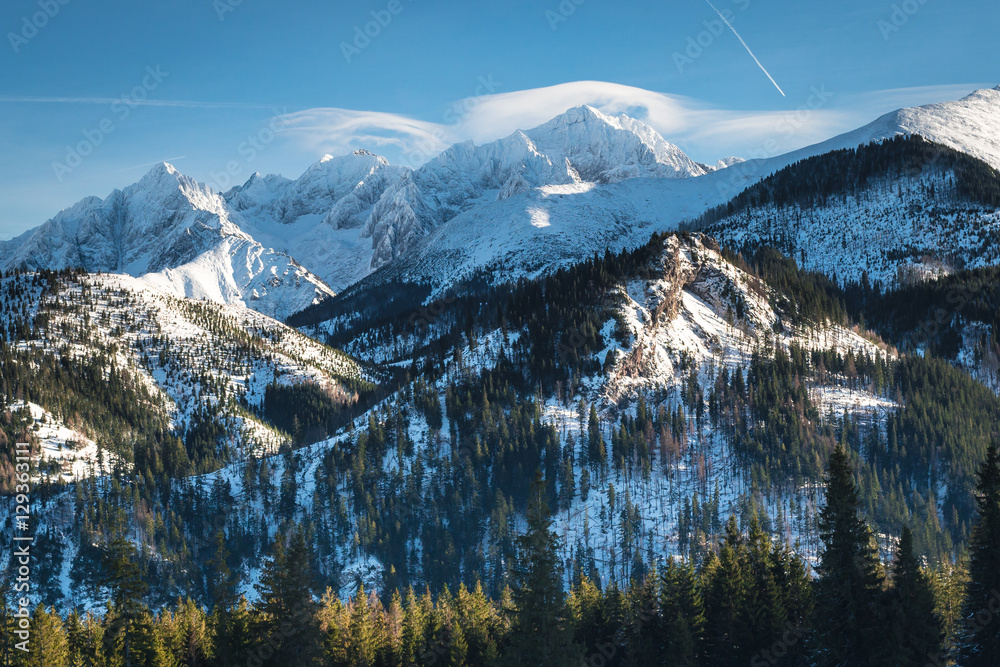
column 747, row 48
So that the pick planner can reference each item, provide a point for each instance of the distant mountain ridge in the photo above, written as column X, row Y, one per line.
column 537, row 199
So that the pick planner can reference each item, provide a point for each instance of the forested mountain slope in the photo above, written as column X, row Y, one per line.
column 896, row 211
column 658, row 391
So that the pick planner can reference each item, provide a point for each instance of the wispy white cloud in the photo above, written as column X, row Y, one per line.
column 131, row 101
column 704, row 131
column 337, row 131
column 895, row 98
column 492, row 116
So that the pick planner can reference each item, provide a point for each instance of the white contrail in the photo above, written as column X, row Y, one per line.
column 747, row 48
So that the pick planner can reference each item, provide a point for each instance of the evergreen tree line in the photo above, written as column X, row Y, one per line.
column 751, row 601
column 815, row 180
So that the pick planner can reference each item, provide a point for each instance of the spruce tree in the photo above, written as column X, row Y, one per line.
column 146, row 643
column 48, row 647
column 223, row 586
column 849, row 585
column 479, row 623
column 190, row 637
column 334, row 623
column 288, row 624
column 913, row 630
column 980, row 636
column 414, row 623
column 7, row 624
column 124, row 579
column 86, row 640
column 362, row 647
column 541, row 634
column 596, row 452
column 727, row 585
column 683, row 614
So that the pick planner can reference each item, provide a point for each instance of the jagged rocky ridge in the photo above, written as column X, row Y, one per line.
column 526, row 204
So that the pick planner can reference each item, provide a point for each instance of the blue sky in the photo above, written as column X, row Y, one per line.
column 223, row 88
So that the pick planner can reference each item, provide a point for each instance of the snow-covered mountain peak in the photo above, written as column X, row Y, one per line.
column 583, row 181
column 593, row 140
column 339, row 188
column 163, row 220
column 728, row 162
column 165, row 184
column 345, row 166
column 580, row 114
column 362, row 152
column 580, row 146
column 971, row 124
column 162, row 168
column 987, row 93
column 161, row 175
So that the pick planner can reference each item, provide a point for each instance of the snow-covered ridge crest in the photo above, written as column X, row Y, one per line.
column 165, row 219
column 581, row 145
column 339, row 188
column 970, row 125
column 582, row 182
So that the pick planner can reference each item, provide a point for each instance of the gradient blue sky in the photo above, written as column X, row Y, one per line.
column 228, row 78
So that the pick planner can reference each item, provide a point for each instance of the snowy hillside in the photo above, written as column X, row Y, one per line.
column 698, row 314
column 66, row 454
column 179, row 233
column 192, row 355
column 970, row 125
column 660, row 391
column 896, row 235
column 900, row 210
column 688, row 318
column 242, row 272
